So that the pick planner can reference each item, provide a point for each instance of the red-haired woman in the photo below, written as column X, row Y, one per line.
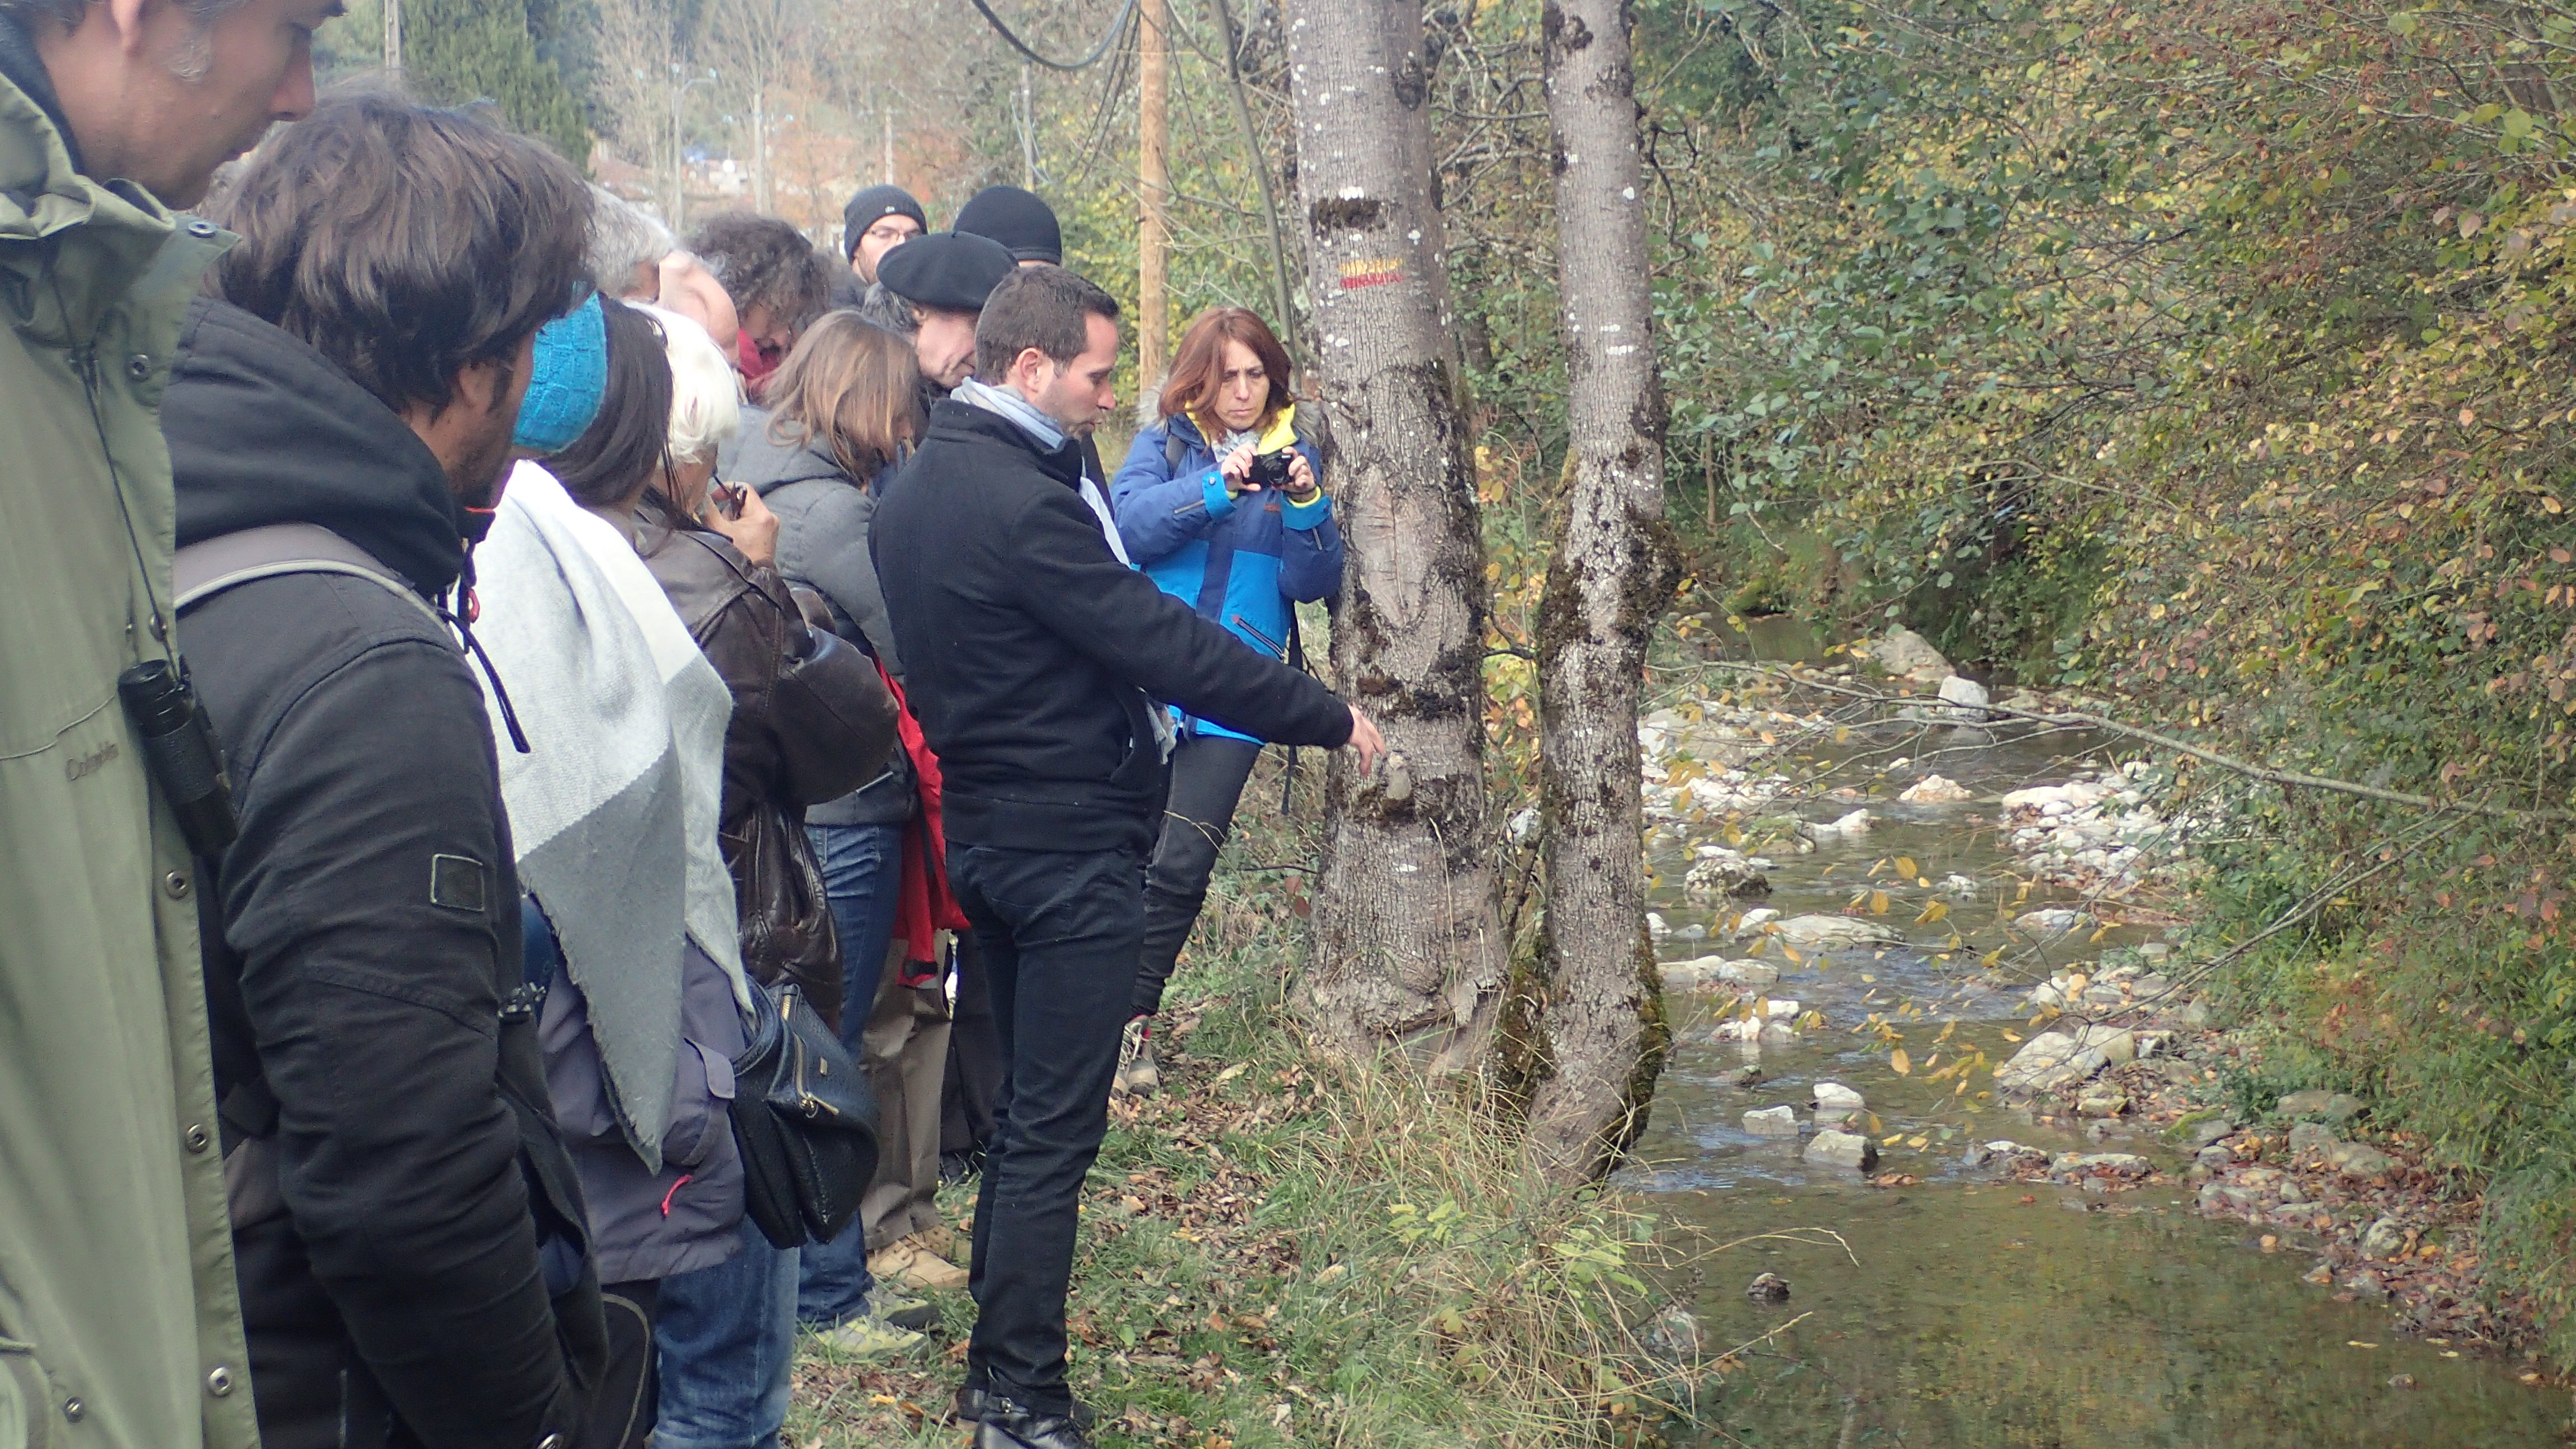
column 1221, row 503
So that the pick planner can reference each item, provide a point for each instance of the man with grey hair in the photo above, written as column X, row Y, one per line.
column 118, row 1307
column 627, row 245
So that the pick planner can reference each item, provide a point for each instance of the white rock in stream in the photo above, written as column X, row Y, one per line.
column 1907, row 653
column 1706, row 973
column 1958, row 887
column 2048, row 1061
column 1849, row 827
column 1818, row 933
column 2051, row 925
column 1936, row 790
column 1966, row 697
column 1835, row 1097
column 1772, row 1122
column 1830, row 1148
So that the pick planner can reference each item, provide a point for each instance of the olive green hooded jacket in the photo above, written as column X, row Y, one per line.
column 119, row 1323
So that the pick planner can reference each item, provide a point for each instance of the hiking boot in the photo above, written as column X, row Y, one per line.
column 1010, row 1424
column 887, row 1306
column 1137, row 1074
column 972, row 1401
column 868, row 1340
column 907, row 1262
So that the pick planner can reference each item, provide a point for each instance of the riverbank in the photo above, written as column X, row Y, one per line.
column 1927, row 1015
column 1273, row 1253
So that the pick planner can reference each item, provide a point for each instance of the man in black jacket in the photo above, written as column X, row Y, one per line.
column 408, row 1235
column 1036, row 658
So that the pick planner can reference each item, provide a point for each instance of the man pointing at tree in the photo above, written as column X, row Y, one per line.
column 1038, row 658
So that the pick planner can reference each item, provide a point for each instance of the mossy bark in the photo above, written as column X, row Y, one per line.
column 1595, row 1024
column 1408, row 940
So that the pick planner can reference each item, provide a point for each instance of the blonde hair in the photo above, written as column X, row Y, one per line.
column 706, row 394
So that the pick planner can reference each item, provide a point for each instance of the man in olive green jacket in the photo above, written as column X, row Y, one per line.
column 119, row 1325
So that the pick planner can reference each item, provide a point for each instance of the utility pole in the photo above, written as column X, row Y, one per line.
column 680, row 84
column 1153, row 187
column 393, row 36
column 1028, row 131
column 759, row 152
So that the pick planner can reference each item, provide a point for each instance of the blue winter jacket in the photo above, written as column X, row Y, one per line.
column 1239, row 560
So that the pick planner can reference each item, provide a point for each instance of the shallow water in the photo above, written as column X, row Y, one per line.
column 2076, row 1321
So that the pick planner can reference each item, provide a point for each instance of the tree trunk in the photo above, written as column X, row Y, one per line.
column 1586, row 1037
column 1408, row 942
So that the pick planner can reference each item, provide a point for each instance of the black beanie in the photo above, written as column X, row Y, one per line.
column 1016, row 219
column 951, row 270
column 871, row 206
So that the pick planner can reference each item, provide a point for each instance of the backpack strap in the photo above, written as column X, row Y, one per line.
column 208, row 567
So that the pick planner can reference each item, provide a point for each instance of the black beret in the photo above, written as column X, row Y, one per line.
column 953, row 270
column 1016, row 219
column 871, row 206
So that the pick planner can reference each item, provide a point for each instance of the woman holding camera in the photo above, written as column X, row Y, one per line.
column 1221, row 503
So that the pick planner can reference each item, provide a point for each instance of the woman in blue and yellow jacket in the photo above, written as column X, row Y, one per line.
column 1221, row 503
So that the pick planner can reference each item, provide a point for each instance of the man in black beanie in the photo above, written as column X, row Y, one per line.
column 1027, row 226
column 875, row 222
column 1018, row 220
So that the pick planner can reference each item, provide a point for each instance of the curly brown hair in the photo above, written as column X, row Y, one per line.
column 765, row 262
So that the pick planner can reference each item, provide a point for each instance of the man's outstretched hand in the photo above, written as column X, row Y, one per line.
column 1365, row 739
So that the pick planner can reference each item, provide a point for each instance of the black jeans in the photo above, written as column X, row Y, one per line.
column 1059, row 932
column 1208, row 772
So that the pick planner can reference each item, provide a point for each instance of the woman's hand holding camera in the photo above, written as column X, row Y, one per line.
column 1236, row 467
column 1303, row 485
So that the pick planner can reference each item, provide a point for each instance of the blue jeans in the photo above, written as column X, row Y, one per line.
column 726, row 1337
column 863, row 880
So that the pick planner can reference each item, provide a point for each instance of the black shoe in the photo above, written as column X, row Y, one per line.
column 972, row 1401
column 1010, row 1424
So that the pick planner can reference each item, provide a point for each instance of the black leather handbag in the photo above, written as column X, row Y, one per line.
column 805, row 1120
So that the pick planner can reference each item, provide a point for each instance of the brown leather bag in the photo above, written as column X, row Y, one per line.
column 786, row 916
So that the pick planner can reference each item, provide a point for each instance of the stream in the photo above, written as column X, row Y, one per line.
column 1971, row 1309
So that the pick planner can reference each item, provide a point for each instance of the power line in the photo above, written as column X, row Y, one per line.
column 1107, row 39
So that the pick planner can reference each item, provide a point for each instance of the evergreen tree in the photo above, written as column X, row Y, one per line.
column 456, row 51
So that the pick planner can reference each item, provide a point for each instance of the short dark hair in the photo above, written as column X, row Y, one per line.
column 405, row 241
column 1047, row 308
column 762, row 261
column 629, row 443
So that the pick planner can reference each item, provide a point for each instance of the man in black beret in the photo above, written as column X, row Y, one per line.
column 942, row 281
column 1018, row 220
column 875, row 222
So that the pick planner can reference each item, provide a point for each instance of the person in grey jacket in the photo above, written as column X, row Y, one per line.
column 842, row 410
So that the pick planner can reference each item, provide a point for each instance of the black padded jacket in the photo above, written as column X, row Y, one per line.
column 1033, row 656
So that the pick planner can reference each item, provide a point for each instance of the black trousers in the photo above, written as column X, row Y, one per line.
column 1208, row 772
column 974, row 1078
column 1059, row 932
